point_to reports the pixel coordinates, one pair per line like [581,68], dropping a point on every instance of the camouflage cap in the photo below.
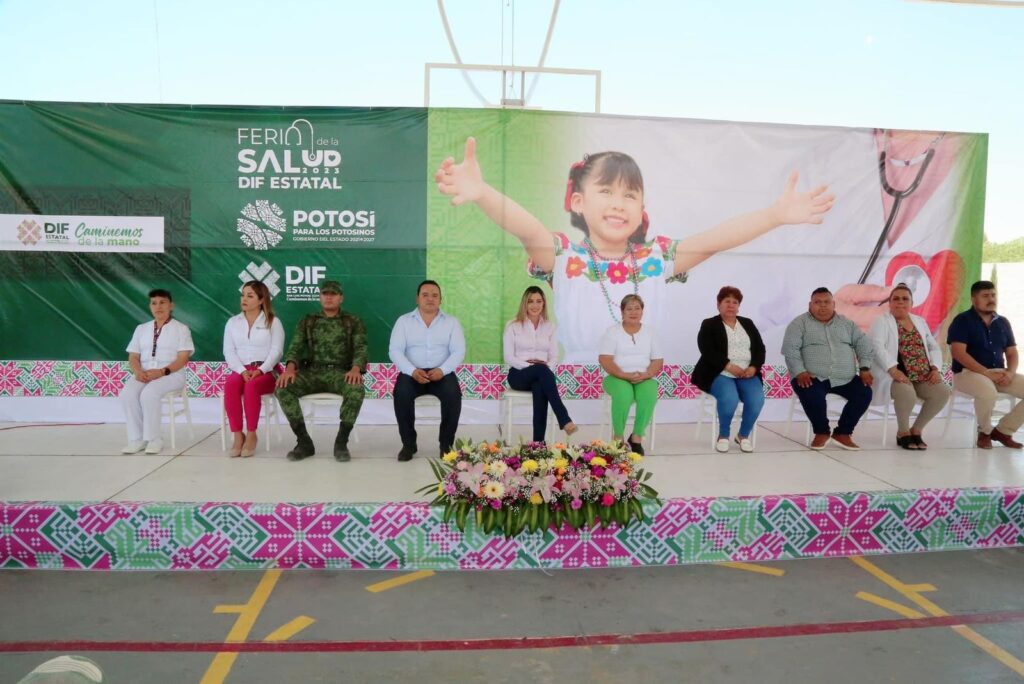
[330,287]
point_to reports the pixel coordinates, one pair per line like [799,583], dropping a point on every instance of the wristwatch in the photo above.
[167,371]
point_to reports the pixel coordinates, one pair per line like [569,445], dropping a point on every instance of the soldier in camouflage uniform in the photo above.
[327,354]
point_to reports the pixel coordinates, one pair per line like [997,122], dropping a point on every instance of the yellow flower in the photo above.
[598,461]
[530,466]
[635,457]
[494,490]
[597,442]
[440,488]
[536,499]
[450,456]
[561,463]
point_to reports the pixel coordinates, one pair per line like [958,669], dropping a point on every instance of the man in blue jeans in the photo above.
[828,354]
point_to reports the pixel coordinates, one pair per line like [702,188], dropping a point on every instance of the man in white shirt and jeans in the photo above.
[157,354]
[427,345]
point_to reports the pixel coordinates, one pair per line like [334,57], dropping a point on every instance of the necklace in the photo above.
[594,256]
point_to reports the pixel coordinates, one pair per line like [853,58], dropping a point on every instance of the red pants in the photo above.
[239,394]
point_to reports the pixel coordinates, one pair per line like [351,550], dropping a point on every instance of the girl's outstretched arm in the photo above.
[464,182]
[792,207]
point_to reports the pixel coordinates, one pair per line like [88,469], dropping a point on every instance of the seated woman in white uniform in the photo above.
[157,354]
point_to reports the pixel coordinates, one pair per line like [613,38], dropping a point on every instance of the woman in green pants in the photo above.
[631,356]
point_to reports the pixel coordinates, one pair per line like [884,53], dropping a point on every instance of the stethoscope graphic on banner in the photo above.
[913,276]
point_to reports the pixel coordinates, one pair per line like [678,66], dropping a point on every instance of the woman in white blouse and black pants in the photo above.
[530,352]
[253,346]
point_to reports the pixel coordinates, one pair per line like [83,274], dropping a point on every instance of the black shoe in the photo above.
[444,450]
[303,449]
[637,447]
[341,452]
[406,453]
[907,442]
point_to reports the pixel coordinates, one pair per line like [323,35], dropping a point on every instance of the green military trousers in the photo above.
[315,380]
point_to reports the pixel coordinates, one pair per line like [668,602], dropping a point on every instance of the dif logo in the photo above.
[304,276]
[56,232]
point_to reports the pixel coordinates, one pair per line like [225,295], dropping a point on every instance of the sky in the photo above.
[876,63]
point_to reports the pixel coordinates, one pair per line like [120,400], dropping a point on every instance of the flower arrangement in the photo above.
[533,486]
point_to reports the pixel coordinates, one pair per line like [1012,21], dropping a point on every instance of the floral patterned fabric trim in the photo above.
[414,536]
[205,379]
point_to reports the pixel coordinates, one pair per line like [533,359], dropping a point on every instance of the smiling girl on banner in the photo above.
[605,197]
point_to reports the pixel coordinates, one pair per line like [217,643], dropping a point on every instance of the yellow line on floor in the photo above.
[751,567]
[247,614]
[993,650]
[912,592]
[287,631]
[399,581]
[897,608]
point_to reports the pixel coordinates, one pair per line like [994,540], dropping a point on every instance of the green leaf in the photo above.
[448,510]
[534,518]
[591,513]
[521,519]
[545,518]
[510,525]
[460,515]
[638,509]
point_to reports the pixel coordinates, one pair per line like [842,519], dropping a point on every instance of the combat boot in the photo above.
[341,452]
[304,447]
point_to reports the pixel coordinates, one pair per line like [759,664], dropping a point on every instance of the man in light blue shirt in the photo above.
[427,345]
[828,354]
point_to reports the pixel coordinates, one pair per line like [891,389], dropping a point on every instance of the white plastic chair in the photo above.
[512,398]
[606,421]
[833,409]
[176,404]
[310,404]
[709,412]
[432,402]
[270,414]
[961,411]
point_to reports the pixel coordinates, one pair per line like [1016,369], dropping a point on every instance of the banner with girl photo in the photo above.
[603,206]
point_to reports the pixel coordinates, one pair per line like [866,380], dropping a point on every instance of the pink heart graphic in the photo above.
[946,272]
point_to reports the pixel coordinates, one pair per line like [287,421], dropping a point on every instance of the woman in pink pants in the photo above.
[253,345]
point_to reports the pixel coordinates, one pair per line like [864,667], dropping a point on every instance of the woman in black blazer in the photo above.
[729,368]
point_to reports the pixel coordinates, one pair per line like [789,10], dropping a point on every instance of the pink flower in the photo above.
[608,499]
[597,471]
[617,273]
[496,504]
[450,489]
[576,504]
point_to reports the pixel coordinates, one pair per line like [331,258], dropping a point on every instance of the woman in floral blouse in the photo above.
[908,357]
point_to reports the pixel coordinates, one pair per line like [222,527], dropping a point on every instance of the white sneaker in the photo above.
[155,446]
[133,447]
[722,445]
[746,446]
